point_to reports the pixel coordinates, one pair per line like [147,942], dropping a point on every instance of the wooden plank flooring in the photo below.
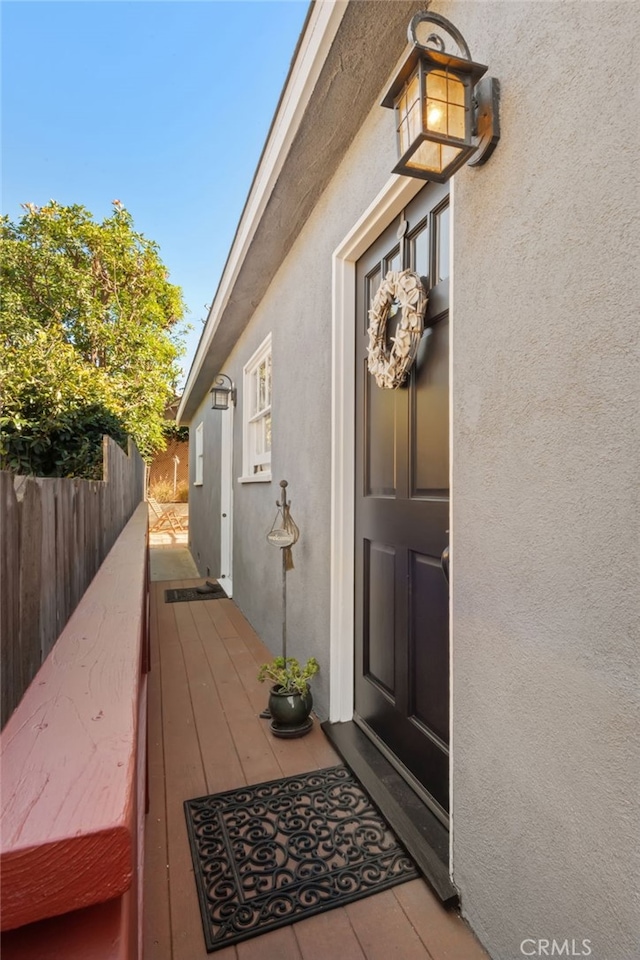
[205,736]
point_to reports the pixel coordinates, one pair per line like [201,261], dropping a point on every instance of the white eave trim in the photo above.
[322,27]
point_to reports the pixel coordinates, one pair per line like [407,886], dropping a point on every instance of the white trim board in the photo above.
[226,499]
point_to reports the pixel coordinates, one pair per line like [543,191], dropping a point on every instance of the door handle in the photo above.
[444,562]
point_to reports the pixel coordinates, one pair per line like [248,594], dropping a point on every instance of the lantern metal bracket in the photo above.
[486,104]
[434,39]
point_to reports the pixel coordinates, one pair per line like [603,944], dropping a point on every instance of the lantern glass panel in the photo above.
[445,106]
[432,157]
[408,113]
[220,399]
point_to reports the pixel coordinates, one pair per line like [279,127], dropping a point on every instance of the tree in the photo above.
[90,335]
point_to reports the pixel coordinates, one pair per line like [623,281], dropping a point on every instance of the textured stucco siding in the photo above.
[545,533]
[296,310]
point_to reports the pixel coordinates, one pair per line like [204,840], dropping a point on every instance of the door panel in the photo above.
[379,651]
[430,674]
[402,518]
[380,462]
[430,414]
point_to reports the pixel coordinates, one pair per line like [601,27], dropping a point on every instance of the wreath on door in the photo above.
[389,365]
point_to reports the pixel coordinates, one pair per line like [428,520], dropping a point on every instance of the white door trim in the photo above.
[391,200]
[226,500]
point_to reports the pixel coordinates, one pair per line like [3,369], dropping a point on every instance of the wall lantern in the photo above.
[221,394]
[446,115]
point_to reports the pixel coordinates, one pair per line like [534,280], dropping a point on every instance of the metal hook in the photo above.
[283,484]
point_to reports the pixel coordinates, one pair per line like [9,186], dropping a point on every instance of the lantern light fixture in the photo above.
[221,394]
[446,109]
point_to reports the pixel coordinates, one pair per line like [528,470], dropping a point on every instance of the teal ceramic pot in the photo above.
[290,709]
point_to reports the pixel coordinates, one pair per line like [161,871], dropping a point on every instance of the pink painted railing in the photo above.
[73,760]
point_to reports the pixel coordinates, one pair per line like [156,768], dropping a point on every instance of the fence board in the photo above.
[29,589]
[48,582]
[54,535]
[9,588]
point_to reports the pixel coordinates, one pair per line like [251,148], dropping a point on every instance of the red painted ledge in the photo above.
[95,933]
[69,752]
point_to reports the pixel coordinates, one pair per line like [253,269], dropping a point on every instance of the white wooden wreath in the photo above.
[390,366]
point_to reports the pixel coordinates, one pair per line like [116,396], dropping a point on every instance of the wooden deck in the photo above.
[205,736]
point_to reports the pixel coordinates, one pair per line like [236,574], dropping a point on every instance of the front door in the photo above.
[402,515]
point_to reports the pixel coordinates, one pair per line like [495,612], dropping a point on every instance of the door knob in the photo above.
[444,562]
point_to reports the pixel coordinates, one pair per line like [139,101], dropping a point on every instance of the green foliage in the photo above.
[89,339]
[172,431]
[287,674]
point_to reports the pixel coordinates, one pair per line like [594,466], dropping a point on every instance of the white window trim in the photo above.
[263,351]
[199,477]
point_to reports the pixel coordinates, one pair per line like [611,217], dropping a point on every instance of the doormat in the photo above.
[184,594]
[273,853]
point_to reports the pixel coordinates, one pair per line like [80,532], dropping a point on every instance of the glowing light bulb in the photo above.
[435,116]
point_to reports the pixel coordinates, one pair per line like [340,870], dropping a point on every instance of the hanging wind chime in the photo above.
[283,534]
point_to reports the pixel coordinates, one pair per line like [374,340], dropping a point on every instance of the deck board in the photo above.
[184,778]
[329,935]
[157,925]
[205,736]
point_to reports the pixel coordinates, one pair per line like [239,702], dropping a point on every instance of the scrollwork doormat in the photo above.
[192,593]
[273,853]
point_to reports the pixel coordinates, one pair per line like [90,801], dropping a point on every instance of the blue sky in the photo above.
[162,104]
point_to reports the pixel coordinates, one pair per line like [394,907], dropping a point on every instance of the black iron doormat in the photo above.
[277,852]
[193,593]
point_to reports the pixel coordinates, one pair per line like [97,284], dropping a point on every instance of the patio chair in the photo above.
[165,518]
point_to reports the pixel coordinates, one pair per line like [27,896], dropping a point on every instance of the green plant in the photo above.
[287,675]
[172,432]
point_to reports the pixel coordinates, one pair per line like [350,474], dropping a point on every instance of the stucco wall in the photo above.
[545,486]
[296,310]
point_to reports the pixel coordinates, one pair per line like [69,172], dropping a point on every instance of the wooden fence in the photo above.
[54,534]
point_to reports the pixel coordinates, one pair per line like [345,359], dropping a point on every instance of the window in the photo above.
[199,455]
[257,415]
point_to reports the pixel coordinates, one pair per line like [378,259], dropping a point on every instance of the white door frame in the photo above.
[395,195]
[226,500]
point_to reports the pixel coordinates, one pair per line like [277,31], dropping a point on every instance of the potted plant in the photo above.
[290,699]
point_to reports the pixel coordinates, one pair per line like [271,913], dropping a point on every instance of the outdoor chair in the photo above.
[165,518]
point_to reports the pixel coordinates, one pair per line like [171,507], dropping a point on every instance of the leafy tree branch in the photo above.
[90,335]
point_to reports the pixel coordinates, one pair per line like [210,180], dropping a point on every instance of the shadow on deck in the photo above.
[205,736]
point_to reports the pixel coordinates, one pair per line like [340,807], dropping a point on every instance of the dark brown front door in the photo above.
[402,515]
